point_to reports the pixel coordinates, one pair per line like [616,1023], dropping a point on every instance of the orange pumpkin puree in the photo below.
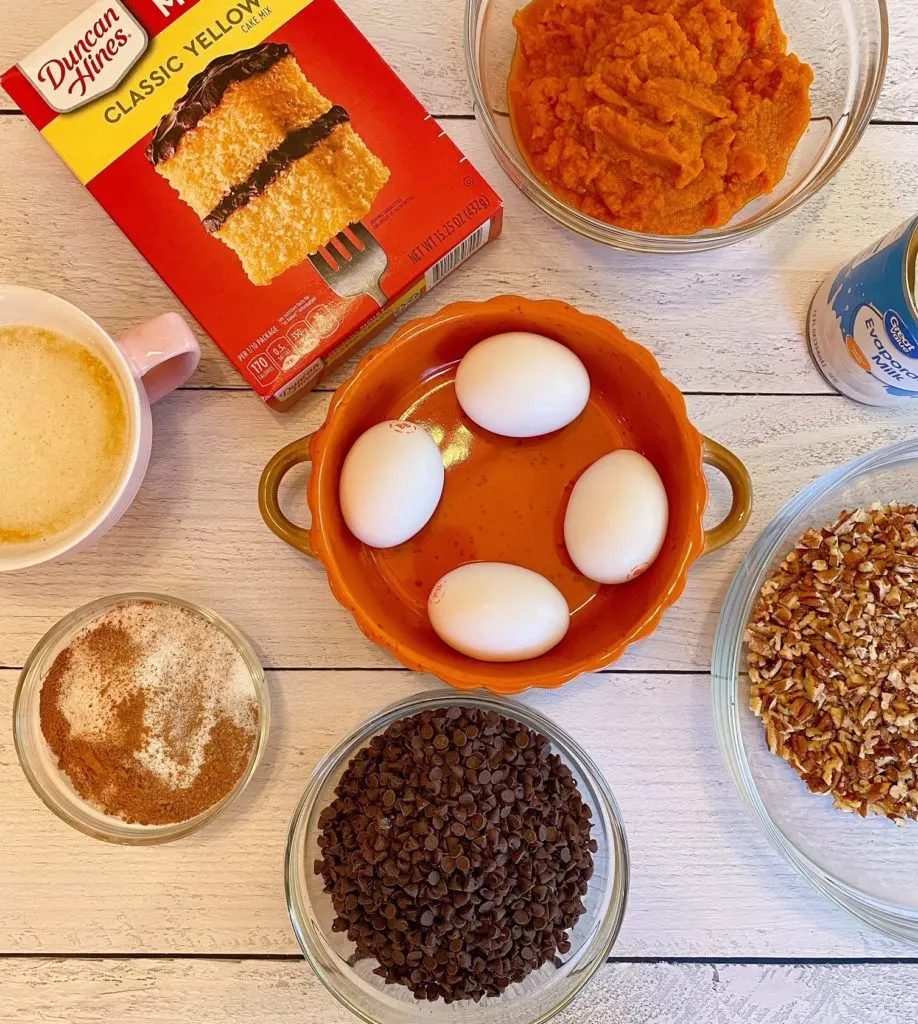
[662,116]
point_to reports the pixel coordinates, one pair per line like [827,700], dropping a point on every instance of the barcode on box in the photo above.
[458,254]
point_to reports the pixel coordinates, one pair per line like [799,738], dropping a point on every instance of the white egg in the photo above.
[391,483]
[521,385]
[495,611]
[616,518]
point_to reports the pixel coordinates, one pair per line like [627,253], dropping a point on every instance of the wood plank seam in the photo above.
[609,671]
[296,958]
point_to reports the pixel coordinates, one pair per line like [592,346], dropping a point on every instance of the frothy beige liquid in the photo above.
[64,433]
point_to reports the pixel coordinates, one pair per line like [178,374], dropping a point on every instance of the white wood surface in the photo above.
[422,40]
[704,882]
[215,992]
[195,527]
[725,321]
[727,327]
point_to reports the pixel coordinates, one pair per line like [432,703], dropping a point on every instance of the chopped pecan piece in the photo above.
[832,655]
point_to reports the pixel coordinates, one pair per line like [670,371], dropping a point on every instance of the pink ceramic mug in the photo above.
[149,360]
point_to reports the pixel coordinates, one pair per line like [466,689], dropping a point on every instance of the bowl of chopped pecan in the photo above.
[815,685]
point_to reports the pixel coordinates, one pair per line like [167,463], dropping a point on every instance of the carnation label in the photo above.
[88,58]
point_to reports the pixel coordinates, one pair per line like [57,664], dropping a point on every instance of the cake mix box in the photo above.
[267,162]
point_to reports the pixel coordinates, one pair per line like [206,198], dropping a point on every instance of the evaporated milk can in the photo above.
[863,323]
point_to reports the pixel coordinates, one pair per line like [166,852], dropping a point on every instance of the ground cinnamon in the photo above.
[151,713]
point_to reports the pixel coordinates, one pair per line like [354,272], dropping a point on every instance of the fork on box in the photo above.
[352,264]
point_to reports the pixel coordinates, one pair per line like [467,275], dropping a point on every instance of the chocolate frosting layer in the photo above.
[296,145]
[205,91]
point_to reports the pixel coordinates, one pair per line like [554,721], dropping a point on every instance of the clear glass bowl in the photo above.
[38,762]
[865,865]
[544,992]
[845,42]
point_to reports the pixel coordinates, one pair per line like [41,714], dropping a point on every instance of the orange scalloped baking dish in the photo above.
[504,498]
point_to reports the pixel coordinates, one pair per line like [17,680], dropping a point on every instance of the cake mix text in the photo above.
[449,228]
[240,14]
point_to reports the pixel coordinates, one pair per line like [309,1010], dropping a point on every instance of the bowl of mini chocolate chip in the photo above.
[457,857]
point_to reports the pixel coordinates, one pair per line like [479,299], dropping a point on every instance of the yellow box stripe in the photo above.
[91,138]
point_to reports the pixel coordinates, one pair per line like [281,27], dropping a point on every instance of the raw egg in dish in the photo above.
[616,518]
[521,384]
[391,483]
[495,611]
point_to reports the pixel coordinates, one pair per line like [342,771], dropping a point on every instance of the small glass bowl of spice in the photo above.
[458,858]
[140,717]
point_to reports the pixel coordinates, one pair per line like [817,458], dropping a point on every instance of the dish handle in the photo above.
[737,519]
[293,454]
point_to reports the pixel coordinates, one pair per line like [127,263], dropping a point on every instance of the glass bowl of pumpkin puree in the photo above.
[673,125]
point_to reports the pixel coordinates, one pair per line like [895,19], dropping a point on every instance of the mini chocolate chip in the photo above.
[458,870]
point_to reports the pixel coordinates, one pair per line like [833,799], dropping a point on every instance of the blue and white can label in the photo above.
[863,323]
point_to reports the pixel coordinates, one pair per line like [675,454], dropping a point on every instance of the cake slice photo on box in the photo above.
[272,167]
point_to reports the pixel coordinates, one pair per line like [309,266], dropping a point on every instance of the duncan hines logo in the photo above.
[89,57]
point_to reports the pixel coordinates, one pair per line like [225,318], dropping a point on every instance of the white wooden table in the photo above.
[718,927]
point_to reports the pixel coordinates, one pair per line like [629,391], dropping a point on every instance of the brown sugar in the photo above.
[150,713]
[662,116]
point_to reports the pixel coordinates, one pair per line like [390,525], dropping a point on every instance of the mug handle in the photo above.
[737,519]
[162,353]
[295,453]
